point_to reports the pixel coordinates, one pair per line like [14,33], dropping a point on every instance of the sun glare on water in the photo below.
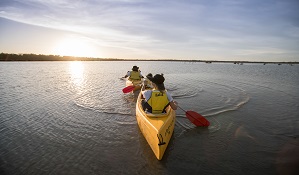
[77,47]
[77,72]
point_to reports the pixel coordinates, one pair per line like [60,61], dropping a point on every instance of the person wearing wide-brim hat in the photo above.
[134,75]
[157,99]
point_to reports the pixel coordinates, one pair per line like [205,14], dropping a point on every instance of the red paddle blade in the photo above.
[197,119]
[128,89]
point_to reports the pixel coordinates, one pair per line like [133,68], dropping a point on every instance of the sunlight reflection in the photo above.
[77,72]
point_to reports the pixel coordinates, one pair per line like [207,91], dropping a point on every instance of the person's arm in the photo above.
[140,75]
[173,105]
[128,74]
[146,94]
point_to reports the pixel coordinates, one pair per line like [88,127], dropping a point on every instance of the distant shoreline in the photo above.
[4,57]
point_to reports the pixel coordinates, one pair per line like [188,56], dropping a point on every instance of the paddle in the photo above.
[128,89]
[196,118]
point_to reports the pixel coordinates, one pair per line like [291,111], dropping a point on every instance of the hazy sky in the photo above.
[254,30]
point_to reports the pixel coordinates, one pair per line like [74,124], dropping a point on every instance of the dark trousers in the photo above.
[146,107]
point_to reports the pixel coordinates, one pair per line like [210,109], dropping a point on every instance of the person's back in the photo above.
[134,75]
[157,102]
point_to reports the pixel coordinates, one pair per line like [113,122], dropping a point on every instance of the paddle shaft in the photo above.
[181,108]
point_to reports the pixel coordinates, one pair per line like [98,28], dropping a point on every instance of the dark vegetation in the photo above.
[35,57]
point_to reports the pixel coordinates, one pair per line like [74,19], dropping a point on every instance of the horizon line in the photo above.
[81,58]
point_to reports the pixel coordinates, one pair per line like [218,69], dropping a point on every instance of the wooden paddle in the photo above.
[196,118]
[128,89]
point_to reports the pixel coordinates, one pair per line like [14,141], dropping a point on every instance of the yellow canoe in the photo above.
[156,128]
[136,83]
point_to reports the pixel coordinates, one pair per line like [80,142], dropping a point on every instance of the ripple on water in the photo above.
[226,98]
[208,98]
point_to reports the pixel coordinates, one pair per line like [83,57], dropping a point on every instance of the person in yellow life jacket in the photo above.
[157,99]
[134,75]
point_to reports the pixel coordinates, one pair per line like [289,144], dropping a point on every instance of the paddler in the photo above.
[148,83]
[134,75]
[157,99]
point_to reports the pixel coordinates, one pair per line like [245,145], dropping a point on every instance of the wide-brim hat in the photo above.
[135,68]
[158,80]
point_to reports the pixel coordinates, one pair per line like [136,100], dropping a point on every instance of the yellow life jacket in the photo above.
[158,101]
[134,76]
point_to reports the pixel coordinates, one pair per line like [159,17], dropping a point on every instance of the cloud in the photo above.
[166,25]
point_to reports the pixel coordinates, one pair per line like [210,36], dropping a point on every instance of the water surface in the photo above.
[72,118]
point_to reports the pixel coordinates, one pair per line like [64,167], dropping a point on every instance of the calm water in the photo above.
[72,118]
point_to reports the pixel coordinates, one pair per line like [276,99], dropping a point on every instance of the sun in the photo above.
[75,46]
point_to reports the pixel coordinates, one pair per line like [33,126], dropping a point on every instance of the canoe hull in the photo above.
[157,129]
[137,84]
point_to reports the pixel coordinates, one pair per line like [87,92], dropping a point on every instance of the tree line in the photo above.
[39,57]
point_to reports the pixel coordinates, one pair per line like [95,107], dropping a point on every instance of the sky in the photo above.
[245,30]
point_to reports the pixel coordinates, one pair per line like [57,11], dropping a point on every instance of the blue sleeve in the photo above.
[170,99]
[147,94]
